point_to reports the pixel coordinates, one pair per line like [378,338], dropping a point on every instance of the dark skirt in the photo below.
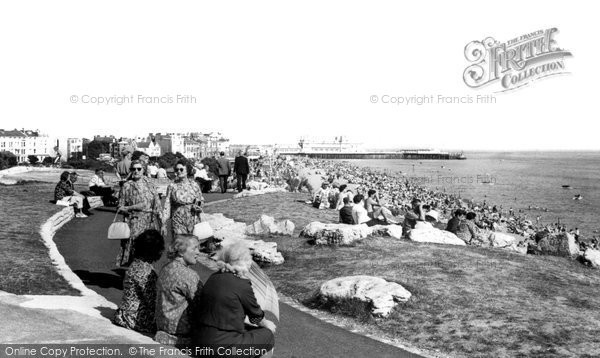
[251,343]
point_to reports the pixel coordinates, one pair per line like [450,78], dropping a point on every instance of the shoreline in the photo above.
[516,223]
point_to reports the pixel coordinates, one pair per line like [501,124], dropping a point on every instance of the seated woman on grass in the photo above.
[178,289]
[468,231]
[137,307]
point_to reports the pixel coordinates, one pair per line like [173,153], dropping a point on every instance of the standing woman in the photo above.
[183,201]
[139,199]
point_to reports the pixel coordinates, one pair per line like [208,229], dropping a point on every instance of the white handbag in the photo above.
[118,230]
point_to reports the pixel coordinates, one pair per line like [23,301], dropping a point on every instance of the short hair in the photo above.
[371,192]
[149,246]
[343,187]
[188,166]
[358,198]
[134,162]
[235,253]
[414,201]
[346,200]
[98,170]
[180,243]
[222,153]
[64,176]
[471,216]
[460,212]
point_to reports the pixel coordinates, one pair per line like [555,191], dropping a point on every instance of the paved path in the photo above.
[91,256]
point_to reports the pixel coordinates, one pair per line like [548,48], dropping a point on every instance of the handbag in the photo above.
[118,230]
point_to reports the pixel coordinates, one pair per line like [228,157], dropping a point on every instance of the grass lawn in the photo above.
[467,301]
[25,266]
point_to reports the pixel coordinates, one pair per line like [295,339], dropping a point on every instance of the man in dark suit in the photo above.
[224,171]
[241,169]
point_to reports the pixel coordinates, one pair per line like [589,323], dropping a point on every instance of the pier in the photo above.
[418,155]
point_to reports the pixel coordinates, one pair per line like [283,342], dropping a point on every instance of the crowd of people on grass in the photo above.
[391,195]
[178,308]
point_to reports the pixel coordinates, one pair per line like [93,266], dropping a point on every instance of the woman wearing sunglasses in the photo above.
[183,201]
[140,201]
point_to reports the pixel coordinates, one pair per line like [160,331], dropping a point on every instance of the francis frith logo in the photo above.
[514,63]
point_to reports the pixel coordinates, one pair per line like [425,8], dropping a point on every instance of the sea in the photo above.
[541,184]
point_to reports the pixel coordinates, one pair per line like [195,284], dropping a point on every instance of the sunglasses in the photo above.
[180,169]
[138,169]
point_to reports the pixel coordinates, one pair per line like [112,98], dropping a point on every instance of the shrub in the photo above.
[33,159]
[7,160]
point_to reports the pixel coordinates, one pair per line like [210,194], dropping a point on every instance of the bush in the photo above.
[33,159]
[7,160]
[48,161]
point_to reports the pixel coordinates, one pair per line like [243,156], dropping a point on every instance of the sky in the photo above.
[269,72]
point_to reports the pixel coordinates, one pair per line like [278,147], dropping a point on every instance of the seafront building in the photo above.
[23,143]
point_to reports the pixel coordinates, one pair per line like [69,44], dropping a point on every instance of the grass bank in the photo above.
[25,266]
[467,301]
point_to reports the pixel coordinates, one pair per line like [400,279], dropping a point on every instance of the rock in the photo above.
[246,193]
[562,244]
[501,239]
[227,231]
[593,257]
[335,234]
[257,185]
[394,231]
[383,295]
[265,252]
[519,248]
[267,225]
[216,221]
[435,236]
[235,231]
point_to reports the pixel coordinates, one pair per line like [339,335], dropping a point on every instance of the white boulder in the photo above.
[500,239]
[340,234]
[383,295]
[267,225]
[227,231]
[435,236]
[593,257]
[246,193]
[265,252]
[257,185]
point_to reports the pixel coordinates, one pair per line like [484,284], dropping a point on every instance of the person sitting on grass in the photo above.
[64,193]
[137,307]
[453,224]
[412,217]
[375,210]
[359,213]
[178,290]
[346,212]
[345,192]
[468,231]
[321,197]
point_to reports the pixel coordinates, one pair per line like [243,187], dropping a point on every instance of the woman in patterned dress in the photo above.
[183,201]
[137,307]
[178,288]
[139,199]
